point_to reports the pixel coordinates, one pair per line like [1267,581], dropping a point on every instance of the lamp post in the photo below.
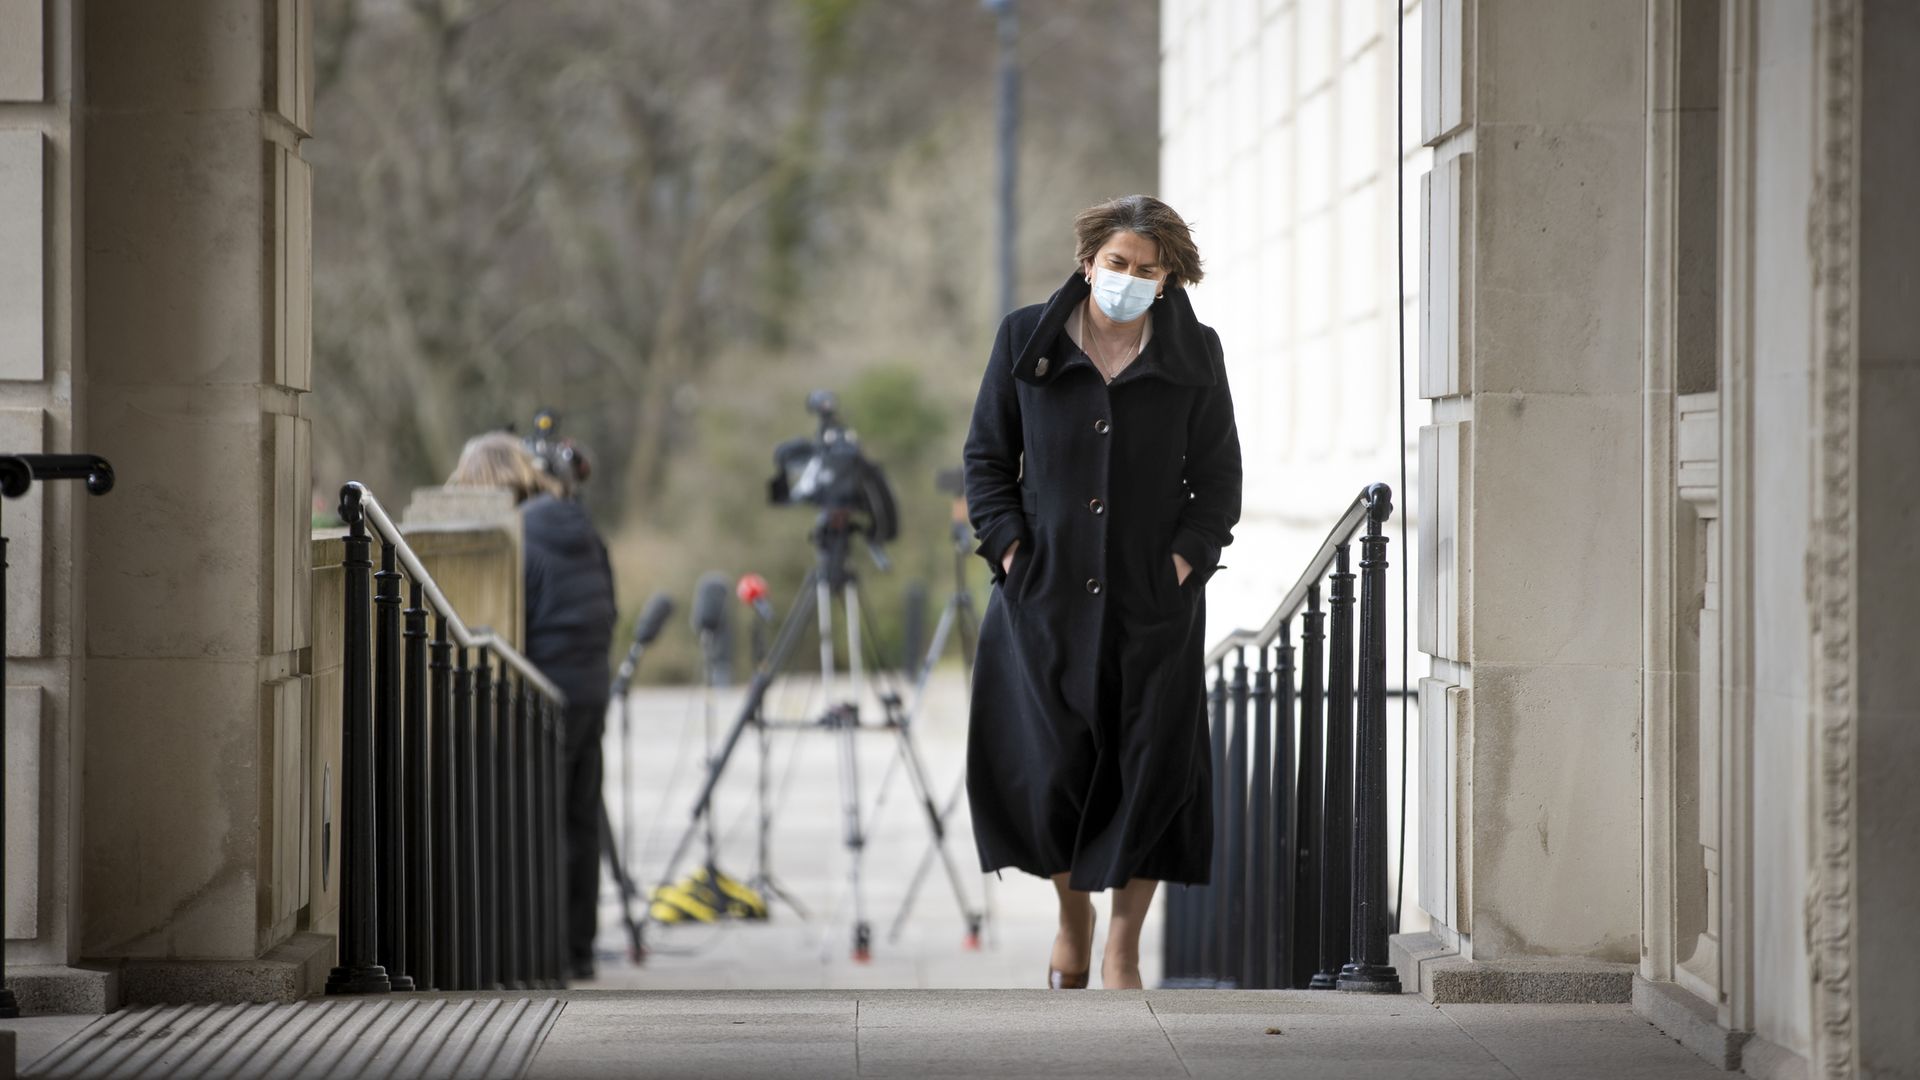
[1009,137]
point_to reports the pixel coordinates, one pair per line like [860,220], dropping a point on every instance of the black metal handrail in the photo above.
[1299,882]
[17,474]
[451,811]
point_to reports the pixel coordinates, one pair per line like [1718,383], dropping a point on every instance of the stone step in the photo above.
[425,1036]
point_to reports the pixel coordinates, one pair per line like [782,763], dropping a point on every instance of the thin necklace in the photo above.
[1087,331]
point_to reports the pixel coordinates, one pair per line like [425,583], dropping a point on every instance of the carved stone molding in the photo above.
[1833,540]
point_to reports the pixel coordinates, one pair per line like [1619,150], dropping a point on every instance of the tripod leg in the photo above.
[936,822]
[626,780]
[622,882]
[940,634]
[960,609]
[763,881]
[925,866]
[756,691]
[934,649]
[849,722]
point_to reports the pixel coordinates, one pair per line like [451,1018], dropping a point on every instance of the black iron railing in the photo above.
[17,474]
[1298,896]
[452,744]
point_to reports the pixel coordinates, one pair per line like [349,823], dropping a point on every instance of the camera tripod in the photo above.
[830,578]
[958,616]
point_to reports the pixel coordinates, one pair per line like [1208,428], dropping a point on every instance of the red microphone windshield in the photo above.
[752,589]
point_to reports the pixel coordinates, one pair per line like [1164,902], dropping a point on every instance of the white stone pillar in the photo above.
[1531,338]
[198,365]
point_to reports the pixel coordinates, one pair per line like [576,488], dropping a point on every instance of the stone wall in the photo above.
[42,266]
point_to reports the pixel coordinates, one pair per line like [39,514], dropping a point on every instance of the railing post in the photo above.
[488,834]
[445,822]
[1336,815]
[507,805]
[359,971]
[556,826]
[1309,768]
[420,847]
[1260,830]
[1217,952]
[1286,867]
[467,831]
[548,909]
[388,762]
[1369,970]
[528,803]
[1234,887]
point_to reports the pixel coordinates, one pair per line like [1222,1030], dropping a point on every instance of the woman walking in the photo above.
[1102,478]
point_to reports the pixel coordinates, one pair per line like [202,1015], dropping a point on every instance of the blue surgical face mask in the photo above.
[1123,297]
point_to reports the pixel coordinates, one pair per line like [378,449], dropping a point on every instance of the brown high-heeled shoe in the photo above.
[1062,980]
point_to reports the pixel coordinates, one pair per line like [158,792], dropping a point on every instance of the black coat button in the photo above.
[1097,507]
[1101,427]
[1093,586]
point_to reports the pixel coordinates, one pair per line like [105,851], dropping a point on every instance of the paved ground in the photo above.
[784,998]
[809,859]
[665,751]
[1110,1034]
[926,1035]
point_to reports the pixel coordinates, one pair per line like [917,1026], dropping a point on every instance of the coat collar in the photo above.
[1179,350]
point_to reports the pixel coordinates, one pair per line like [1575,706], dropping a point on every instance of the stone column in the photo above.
[1531,353]
[197,320]
[41,381]
[1885,889]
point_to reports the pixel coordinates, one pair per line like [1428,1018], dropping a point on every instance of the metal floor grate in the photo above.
[397,1036]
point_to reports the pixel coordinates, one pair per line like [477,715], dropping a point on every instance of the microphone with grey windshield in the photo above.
[713,622]
[653,618]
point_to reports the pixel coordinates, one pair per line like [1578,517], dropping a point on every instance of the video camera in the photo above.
[560,458]
[829,471]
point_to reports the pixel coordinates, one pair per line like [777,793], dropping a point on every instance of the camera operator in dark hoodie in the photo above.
[570,618]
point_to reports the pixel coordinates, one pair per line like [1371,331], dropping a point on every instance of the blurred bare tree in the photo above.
[669,219]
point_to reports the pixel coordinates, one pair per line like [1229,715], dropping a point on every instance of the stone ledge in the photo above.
[1765,1060]
[296,969]
[1693,1022]
[1443,977]
[58,990]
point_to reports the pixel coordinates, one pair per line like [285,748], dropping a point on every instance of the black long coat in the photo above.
[569,599]
[1088,749]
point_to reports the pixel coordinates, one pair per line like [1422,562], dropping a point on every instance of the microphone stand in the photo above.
[763,881]
[616,861]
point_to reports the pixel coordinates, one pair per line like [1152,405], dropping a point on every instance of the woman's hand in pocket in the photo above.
[1181,568]
[1006,561]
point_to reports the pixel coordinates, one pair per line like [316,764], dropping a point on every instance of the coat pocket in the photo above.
[1016,577]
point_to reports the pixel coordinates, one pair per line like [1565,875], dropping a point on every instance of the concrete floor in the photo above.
[925,1035]
[810,860]
[784,998]
[929,1035]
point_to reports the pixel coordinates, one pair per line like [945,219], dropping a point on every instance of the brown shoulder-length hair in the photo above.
[499,459]
[1149,217]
